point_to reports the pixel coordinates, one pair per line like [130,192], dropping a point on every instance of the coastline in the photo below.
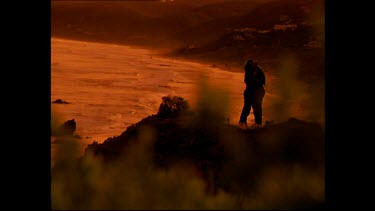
[120,115]
[272,86]
[166,52]
[232,65]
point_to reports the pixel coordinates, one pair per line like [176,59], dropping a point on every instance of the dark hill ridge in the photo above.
[279,166]
[222,153]
[302,140]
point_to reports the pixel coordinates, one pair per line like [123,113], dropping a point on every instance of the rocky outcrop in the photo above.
[67,128]
[59,101]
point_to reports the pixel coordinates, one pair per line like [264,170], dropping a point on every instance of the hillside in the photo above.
[192,159]
[140,23]
[267,32]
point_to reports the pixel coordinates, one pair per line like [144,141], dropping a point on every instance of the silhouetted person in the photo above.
[254,93]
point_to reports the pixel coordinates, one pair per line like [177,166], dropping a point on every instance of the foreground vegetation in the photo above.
[183,158]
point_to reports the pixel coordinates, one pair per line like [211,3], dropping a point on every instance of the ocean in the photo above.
[110,87]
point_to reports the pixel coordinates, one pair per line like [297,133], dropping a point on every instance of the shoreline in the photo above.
[149,52]
[166,53]
[162,53]
[193,66]
[268,64]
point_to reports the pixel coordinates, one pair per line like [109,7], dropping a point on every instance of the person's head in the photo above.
[250,64]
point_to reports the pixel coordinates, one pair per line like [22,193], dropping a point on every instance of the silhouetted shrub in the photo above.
[172,106]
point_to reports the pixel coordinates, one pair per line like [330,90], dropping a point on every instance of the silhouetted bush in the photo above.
[172,106]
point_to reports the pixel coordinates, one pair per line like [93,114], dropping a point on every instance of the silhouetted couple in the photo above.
[253,94]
